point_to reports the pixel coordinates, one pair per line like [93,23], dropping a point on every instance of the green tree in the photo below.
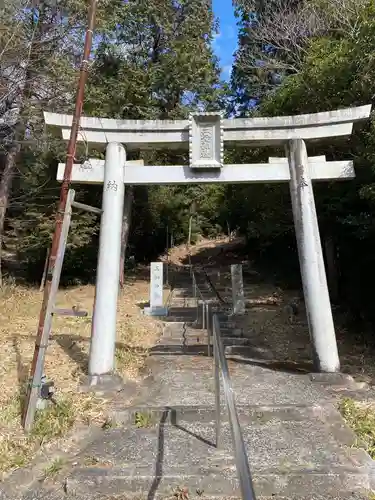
[40,51]
[336,70]
[31,69]
[156,62]
[274,40]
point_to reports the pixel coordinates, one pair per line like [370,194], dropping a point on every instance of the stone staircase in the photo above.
[164,445]
[295,452]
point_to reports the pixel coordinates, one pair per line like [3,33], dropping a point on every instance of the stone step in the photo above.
[196,316]
[190,349]
[291,451]
[181,341]
[249,352]
[197,344]
[180,321]
[195,348]
[181,301]
[58,493]
[232,332]
[183,330]
[182,380]
[176,324]
[188,320]
[191,335]
[227,325]
[235,341]
[111,484]
[247,414]
[185,300]
[298,445]
[176,331]
[224,291]
[181,311]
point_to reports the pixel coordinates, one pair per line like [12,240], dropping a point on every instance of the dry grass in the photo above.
[66,361]
[361,418]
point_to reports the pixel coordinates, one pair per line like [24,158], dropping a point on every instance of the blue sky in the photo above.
[226,41]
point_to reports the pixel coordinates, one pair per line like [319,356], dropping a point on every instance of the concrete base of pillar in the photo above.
[155,311]
[332,378]
[102,384]
[340,381]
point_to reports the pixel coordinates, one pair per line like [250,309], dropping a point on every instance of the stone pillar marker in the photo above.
[315,288]
[239,305]
[103,333]
[156,291]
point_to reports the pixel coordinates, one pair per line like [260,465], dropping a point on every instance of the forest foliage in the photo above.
[155,60]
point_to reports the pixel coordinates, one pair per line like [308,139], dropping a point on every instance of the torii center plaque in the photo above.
[206,141]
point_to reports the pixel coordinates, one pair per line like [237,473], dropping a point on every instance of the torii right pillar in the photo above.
[314,280]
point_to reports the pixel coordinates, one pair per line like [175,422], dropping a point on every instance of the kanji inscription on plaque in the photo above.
[206,141]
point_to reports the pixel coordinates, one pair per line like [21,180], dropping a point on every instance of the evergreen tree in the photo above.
[149,61]
[156,62]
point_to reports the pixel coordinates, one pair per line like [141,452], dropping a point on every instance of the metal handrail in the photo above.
[204,308]
[221,367]
[211,323]
[213,288]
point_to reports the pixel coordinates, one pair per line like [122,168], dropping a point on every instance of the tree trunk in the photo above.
[126,221]
[24,85]
[228,231]
[332,274]
[44,275]
[5,187]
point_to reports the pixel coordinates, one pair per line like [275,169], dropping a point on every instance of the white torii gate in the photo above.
[205,135]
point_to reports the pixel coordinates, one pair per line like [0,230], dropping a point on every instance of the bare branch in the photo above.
[282,29]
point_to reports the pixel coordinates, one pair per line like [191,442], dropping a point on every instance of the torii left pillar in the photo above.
[101,375]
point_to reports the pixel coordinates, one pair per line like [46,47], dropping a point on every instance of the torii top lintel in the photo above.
[140,134]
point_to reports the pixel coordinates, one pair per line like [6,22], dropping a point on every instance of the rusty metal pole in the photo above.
[42,336]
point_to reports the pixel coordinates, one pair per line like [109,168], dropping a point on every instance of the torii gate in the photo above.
[205,135]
